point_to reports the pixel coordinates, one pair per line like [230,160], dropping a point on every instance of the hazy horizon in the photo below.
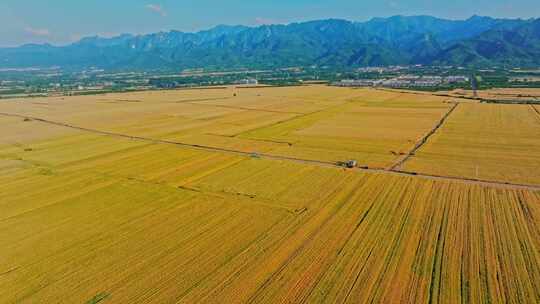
[65,22]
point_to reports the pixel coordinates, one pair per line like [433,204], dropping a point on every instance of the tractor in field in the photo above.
[348,164]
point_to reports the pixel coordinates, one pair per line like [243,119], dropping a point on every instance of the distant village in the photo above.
[15,83]
[404,81]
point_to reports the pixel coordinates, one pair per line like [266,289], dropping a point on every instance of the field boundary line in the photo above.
[163,141]
[255,139]
[466,180]
[401,160]
[242,108]
[193,100]
[259,201]
[406,92]
[321,163]
[427,93]
[536,111]
[330,108]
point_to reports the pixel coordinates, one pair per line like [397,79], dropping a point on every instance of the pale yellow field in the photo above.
[95,218]
[315,122]
[485,141]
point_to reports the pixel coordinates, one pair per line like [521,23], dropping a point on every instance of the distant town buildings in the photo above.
[404,81]
[457,79]
[248,81]
[395,68]
[166,84]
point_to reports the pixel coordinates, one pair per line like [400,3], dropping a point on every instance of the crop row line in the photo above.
[321,163]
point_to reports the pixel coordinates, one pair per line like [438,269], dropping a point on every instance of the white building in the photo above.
[249,81]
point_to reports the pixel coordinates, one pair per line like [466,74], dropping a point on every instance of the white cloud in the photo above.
[157,9]
[42,32]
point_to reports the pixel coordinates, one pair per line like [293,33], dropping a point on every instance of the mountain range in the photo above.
[398,40]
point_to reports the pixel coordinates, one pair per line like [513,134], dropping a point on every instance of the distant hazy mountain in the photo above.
[339,43]
[513,46]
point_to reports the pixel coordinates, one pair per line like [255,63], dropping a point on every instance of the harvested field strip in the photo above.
[294,159]
[423,141]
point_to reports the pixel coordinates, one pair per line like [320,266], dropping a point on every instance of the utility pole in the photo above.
[474,85]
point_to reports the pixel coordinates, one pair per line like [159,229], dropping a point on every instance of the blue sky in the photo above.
[64,21]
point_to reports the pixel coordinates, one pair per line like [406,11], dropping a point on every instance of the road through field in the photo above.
[424,139]
[392,171]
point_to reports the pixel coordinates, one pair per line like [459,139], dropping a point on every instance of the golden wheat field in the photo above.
[485,141]
[157,197]
[318,123]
